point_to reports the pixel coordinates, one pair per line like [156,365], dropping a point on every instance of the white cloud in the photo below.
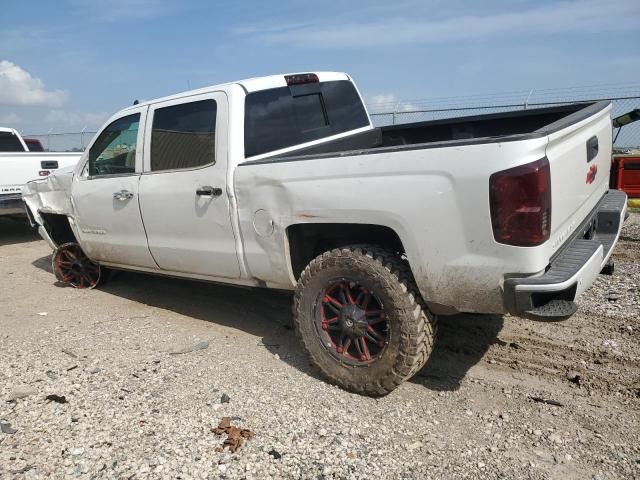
[61,120]
[584,16]
[388,102]
[382,102]
[383,98]
[10,119]
[18,87]
[407,107]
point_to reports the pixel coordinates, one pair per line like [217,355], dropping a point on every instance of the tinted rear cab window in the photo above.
[286,116]
[10,143]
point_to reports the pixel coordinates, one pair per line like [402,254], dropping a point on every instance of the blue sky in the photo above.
[71,63]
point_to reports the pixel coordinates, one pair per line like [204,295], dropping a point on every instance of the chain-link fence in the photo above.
[627,99]
[63,142]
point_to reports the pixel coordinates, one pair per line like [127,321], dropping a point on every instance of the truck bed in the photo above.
[430,183]
[489,128]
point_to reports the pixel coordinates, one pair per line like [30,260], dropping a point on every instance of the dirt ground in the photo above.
[143,364]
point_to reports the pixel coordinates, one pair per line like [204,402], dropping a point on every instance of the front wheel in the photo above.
[71,265]
[361,319]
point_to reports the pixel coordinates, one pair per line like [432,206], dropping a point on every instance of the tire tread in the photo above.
[417,336]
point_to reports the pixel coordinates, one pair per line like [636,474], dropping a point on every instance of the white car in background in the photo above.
[18,165]
[283,182]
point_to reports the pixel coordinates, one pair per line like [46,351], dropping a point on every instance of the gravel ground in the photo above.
[148,366]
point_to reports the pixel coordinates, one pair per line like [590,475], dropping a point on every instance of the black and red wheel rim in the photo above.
[72,266]
[351,322]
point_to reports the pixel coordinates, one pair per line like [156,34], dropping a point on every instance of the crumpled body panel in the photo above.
[50,195]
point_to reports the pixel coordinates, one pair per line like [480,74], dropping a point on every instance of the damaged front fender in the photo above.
[50,195]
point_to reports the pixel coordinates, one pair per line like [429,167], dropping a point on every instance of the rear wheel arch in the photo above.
[308,240]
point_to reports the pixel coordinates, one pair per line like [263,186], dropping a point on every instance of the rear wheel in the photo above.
[361,319]
[71,265]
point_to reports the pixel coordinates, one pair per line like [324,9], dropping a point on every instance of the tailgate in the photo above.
[16,169]
[15,172]
[580,158]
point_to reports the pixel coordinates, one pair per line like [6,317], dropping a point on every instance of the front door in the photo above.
[105,195]
[183,190]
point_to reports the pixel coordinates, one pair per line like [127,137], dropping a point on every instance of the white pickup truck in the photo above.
[283,182]
[18,165]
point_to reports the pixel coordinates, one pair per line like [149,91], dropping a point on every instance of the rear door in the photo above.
[105,195]
[580,158]
[183,191]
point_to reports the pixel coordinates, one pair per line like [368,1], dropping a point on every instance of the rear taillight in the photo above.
[520,201]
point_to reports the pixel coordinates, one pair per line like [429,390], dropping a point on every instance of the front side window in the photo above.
[184,136]
[276,118]
[114,152]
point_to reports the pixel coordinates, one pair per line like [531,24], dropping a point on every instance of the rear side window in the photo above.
[276,119]
[184,136]
[10,143]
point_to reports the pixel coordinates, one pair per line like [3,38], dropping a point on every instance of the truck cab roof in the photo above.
[249,85]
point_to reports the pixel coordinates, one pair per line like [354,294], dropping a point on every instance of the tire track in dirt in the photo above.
[608,373]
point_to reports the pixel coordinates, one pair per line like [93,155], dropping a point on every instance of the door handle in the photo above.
[49,164]
[592,148]
[209,191]
[123,195]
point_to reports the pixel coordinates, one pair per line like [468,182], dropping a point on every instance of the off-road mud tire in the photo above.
[412,327]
